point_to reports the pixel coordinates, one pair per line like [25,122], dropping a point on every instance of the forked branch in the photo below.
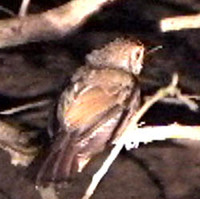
[131,140]
[52,24]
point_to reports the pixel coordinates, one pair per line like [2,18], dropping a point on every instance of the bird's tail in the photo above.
[60,162]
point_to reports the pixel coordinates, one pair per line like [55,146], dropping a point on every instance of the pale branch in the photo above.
[131,140]
[24,8]
[193,97]
[48,192]
[7,11]
[15,139]
[52,24]
[157,133]
[25,107]
[181,99]
[120,143]
[179,23]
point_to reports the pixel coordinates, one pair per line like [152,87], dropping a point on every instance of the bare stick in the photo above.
[15,140]
[25,107]
[24,8]
[52,24]
[180,22]
[181,99]
[170,90]
[157,133]
[8,11]
[48,192]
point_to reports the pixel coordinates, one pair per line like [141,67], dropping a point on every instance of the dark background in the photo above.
[168,170]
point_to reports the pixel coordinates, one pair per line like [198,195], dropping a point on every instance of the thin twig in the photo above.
[52,24]
[181,99]
[180,23]
[170,90]
[24,107]
[193,97]
[24,8]
[157,133]
[15,139]
[48,192]
[187,101]
[8,11]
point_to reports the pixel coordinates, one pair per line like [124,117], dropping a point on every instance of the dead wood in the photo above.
[52,24]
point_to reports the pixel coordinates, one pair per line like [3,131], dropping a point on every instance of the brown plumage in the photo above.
[90,111]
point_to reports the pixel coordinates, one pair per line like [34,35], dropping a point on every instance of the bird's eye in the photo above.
[138,54]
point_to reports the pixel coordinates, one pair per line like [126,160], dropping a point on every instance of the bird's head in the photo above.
[121,53]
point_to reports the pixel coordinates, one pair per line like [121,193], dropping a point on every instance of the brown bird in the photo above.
[102,96]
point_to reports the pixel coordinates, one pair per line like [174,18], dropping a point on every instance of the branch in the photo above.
[16,140]
[7,11]
[157,133]
[127,132]
[25,107]
[24,8]
[180,100]
[180,23]
[48,192]
[52,24]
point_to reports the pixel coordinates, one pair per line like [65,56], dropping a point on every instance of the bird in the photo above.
[101,96]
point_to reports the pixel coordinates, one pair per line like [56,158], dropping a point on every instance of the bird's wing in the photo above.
[84,113]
